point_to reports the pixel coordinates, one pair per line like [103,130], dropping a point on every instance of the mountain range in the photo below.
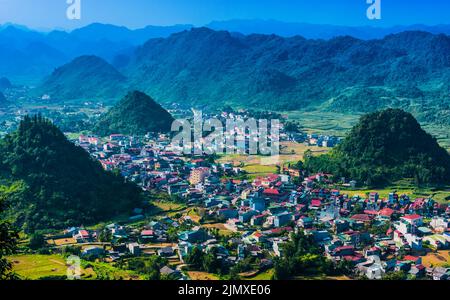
[319,31]
[206,68]
[28,55]
[203,67]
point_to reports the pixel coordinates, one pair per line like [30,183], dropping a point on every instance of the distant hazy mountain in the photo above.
[29,54]
[135,114]
[85,77]
[206,67]
[5,84]
[23,53]
[98,31]
[316,31]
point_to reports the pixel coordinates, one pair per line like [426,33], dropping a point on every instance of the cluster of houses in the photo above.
[376,235]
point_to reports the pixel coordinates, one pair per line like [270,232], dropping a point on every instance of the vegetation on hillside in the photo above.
[135,114]
[408,70]
[57,184]
[84,77]
[8,239]
[383,147]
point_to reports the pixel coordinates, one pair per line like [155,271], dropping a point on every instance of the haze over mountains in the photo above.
[207,68]
[30,54]
[318,31]
[26,54]
[85,77]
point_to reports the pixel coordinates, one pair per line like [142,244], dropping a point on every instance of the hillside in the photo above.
[294,73]
[135,114]
[386,146]
[83,78]
[54,184]
[3,101]
[5,84]
[27,55]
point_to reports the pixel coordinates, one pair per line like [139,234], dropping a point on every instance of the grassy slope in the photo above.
[36,266]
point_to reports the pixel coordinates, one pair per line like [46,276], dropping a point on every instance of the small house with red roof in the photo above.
[362,218]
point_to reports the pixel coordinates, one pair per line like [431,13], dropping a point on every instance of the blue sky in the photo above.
[51,14]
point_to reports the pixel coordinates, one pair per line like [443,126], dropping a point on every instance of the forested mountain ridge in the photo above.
[203,67]
[386,146]
[84,77]
[135,114]
[56,184]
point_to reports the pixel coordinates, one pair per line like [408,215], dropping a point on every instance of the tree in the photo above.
[282,269]
[400,275]
[234,274]
[195,258]
[210,262]
[8,237]
[37,241]
[105,235]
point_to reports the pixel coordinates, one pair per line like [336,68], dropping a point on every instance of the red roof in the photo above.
[352,257]
[316,203]
[257,182]
[386,212]
[412,217]
[344,248]
[279,230]
[147,232]
[411,258]
[361,217]
[272,177]
[271,191]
